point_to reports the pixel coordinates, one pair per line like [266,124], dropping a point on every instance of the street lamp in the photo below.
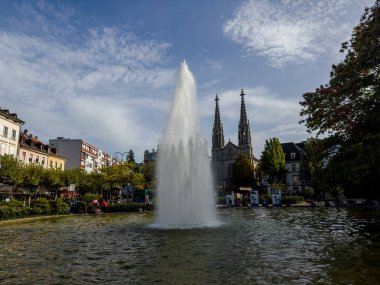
[120,156]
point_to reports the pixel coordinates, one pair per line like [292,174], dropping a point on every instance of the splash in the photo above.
[185,193]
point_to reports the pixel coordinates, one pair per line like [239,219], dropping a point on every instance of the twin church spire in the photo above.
[244,132]
[217,130]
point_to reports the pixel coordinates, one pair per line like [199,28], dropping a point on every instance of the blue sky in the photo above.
[105,71]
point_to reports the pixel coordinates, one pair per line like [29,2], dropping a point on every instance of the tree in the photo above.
[11,170]
[272,161]
[149,172]
[243,173]
[131,156]
[34,175]
[347,109]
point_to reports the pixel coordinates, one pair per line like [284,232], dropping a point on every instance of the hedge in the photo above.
[16,209]
[292,199]
[131,207]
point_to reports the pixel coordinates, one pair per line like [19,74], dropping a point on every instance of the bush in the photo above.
[130,207]
[89,197]
[41,206]
[292,199]
[267,197]
[13,209]
[58,207]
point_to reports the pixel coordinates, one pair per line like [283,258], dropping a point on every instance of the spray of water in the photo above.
[185,193]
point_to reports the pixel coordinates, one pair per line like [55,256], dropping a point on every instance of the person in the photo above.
[104,205]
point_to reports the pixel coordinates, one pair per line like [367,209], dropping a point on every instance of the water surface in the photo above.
[254,246]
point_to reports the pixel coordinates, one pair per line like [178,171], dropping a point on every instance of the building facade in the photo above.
[223,156]
[34,151]
[10,127]
[81,154]
[295,165]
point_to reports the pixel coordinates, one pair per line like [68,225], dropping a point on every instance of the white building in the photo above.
[10,127]
[294,167]
[81,154]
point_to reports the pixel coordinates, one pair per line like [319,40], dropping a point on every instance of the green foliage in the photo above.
[266,197]
[308,192]
[13,209]
[54,178]
[34,175]
[16,209]
[131,156]
[292,199]
[130,207]
[272,161]
[95,182]
[11,170]
[41,206]
[149,172]
[58,207]
[348,110]
[89,197]
[243,173]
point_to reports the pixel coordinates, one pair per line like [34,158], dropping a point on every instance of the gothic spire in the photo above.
[217,131]
[244,129]
[217,122]
[243,113]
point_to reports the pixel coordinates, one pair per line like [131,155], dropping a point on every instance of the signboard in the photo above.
[276,198]
[254,198]
[71,188]
[230,199]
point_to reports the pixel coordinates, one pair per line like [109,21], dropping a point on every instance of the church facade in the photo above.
[224,155]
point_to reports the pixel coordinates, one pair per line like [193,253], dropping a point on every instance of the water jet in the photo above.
[185,194]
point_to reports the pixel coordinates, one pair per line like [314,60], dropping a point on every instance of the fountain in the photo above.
[185,193]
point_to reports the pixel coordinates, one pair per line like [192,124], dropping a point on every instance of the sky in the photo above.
[105,71]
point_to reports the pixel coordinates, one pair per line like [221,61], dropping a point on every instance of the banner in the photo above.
[276,198]
[230,199]
[254,198]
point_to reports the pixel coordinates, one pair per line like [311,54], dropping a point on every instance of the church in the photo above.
[224,155]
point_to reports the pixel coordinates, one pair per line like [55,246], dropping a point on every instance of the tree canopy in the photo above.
[243,173]
[272,161]
[347,110]
[131,156]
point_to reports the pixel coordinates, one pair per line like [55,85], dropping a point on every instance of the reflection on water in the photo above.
[254,246]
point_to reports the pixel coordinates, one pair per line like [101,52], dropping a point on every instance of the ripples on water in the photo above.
[253,246]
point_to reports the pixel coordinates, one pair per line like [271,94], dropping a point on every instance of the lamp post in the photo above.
[118,155]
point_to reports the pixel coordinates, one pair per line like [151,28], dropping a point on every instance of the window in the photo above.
[56,164]
[12,150]
[3,148]
[51,163]
[5,132]
[43,161]
[293,155]
[30,157]
[294,167]
[23,155]
[60,166]
[13,135]
[37,158]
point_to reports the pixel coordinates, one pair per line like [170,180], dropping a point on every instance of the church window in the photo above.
[292,155]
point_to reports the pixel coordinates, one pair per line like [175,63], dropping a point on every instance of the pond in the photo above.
[253,246]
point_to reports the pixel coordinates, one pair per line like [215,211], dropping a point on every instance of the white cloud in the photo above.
[294,31]
[100,89]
